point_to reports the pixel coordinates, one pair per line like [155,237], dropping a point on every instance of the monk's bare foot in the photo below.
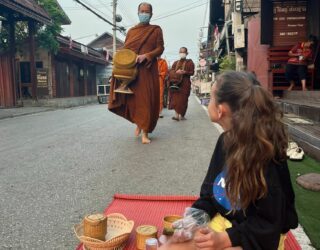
[291,87]
[175,118]
[137,131]
[182,118]
[145,139]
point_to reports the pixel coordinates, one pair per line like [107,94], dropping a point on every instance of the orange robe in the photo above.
[163,71]
[141,108]
[178,100]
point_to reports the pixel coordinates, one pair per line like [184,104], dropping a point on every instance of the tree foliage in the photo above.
[228,62]
[45,34]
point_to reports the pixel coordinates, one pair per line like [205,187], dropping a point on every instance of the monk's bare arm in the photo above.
[159,47]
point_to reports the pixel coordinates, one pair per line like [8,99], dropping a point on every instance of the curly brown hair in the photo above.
[257,136]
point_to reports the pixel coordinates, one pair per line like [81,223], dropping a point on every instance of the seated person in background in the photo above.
[247,194]
[300,55]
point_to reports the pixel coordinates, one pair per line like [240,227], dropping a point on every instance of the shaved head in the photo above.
[145,4]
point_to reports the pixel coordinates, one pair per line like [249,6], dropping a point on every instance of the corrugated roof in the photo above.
[28,8]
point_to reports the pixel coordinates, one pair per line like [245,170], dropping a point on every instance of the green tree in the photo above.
[46,35]
[227,63]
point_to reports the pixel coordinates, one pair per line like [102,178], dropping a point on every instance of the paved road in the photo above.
[57,166]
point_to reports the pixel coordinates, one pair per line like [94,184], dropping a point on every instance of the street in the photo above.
[58,166]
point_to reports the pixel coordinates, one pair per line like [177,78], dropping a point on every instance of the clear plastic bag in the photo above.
[192,220]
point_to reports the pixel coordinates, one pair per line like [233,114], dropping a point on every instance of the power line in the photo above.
[127,13]
[182,11]
[178,12]
[106,6]
[178,9]
[96,9]
[122,29]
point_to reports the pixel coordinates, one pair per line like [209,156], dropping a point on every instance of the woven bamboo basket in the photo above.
[118,232]
[95,226]
[125,74]
[144,232]
[125,59]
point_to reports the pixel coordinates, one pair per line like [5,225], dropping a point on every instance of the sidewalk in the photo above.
[43,105]
[15,112]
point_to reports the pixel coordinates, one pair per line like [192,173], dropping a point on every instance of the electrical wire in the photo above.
[122,29]
[96,9]
[127,13]
[178,11]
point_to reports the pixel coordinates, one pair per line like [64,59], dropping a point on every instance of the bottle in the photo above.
[151,244]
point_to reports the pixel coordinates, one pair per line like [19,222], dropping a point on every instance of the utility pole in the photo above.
[114,4]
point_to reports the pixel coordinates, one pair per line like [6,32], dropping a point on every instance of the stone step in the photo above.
[305,132]
[308,108]
[311,96]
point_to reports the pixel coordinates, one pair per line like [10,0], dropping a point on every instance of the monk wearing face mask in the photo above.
[179,97]
[142,107]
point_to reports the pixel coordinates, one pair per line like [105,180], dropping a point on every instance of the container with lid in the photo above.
[151,244]
[95,226]
[145,232]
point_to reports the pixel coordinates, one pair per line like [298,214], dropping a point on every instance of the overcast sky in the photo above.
[180,21]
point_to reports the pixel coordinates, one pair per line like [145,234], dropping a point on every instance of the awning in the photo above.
[27,8]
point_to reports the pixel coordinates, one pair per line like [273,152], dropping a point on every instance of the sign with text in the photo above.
[42,82]
[289,22]
[42,78]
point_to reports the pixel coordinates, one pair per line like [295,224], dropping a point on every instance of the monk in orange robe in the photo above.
[179,98]
[163,71]
[141,108]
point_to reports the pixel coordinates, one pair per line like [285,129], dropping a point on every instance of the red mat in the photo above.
[150,210]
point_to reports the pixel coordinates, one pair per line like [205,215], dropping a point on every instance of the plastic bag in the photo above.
[193,219]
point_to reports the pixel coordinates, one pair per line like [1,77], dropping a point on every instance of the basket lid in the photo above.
[95,217]
[125,58]
[146,230]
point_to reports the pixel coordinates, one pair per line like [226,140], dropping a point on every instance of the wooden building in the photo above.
[13,11]
[69,73]
[260,33]
[271,34]
[33,72]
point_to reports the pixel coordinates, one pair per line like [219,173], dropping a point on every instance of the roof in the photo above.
[105,40]
[91,55]
[28,8]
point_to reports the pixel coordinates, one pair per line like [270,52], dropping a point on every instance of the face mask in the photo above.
[182,55]
[144,17]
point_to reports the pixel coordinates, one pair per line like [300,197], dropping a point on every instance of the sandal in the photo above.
[292,146]
[297,155]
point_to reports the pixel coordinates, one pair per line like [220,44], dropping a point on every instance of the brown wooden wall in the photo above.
[7,89]
[73,78]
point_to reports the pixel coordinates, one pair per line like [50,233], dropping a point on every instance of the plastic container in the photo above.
[151,244]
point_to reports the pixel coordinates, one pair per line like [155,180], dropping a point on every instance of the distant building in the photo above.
[105,43]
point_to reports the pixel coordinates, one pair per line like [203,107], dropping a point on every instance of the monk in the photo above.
[141,108]
[179,98]
[163,71]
